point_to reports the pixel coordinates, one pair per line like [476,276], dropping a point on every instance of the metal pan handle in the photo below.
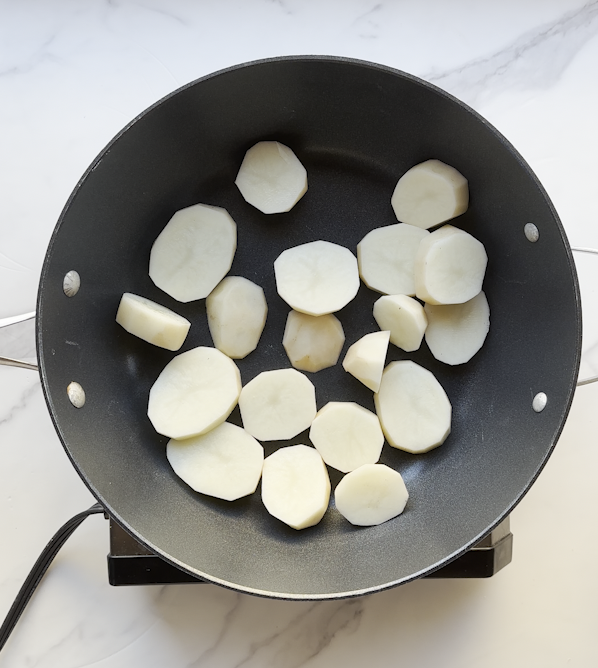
[593,251]
[14,321]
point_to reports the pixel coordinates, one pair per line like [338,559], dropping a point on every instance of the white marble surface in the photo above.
[72,73]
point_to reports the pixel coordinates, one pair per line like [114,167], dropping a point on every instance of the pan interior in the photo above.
[357,128]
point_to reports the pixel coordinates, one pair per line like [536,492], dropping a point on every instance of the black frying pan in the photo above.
[357,128]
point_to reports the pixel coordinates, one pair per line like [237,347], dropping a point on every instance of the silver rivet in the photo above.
[76,394]
[539,402]
[531,232]
[71,283]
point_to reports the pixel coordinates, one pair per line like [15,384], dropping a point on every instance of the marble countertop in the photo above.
[72,74]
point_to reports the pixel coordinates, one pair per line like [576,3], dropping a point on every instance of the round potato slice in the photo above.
[196,391]
[296,486]
[429,194]
[371,494]
[271,177]
[277,405]
[226,462]
[386,257]
[193,252]
[313,343]
[317,278]
[347,435]
[365,359]
[449,267]
[413,408]
[404,318]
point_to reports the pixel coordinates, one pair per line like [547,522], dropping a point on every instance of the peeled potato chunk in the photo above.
[226,462]
[193,252]
[386,258]
[196,391]
[429,194]
[152,322]
[317,278]
[347,435]
[271,177]
[414,411]
[313,342]
[278,405]
[371,494]
[296,486]
[456,332]
[404,317]
[237,313]
[366,357]
[449,267]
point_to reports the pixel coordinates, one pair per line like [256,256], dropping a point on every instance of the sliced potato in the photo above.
[313,343]
[296,486]
[317,278]
[196,391]
[404,317]
[371,494]
[386,258]
[237,313]
[429,194]
[347,435]
[456,332]
[365,359]
[271,177]
[226,462]
[193,252]
[278,405]
[449,267]
[414,411]
[152,322]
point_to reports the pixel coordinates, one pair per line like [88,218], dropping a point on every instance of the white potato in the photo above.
[152,322]
[317,277]
[296,486]
[404,317]
[237,312]
[449,267]
[196,391]
[271,177]
[193,252]
[365,359]
[226,462]
[386,258]
[414,411]
[313,343]
[278,405]
[429,194]
[371,494]
[347,435]
[456,332]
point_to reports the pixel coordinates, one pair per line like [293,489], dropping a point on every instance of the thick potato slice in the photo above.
[449,267]
[414,411]
[365,359]
[317,278]
[196,391]
[278,405]
[404,317]
[237,313]
[371,494]
[226,462]
[193,252]
[429,194]
[271,177]
[152,322]
[296,486]
[347,435]
[456,332]
[313,342]
[386,258]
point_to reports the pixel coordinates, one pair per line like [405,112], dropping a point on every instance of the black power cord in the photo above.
[40,567]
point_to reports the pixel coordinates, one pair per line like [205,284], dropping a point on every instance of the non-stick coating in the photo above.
[357,128]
